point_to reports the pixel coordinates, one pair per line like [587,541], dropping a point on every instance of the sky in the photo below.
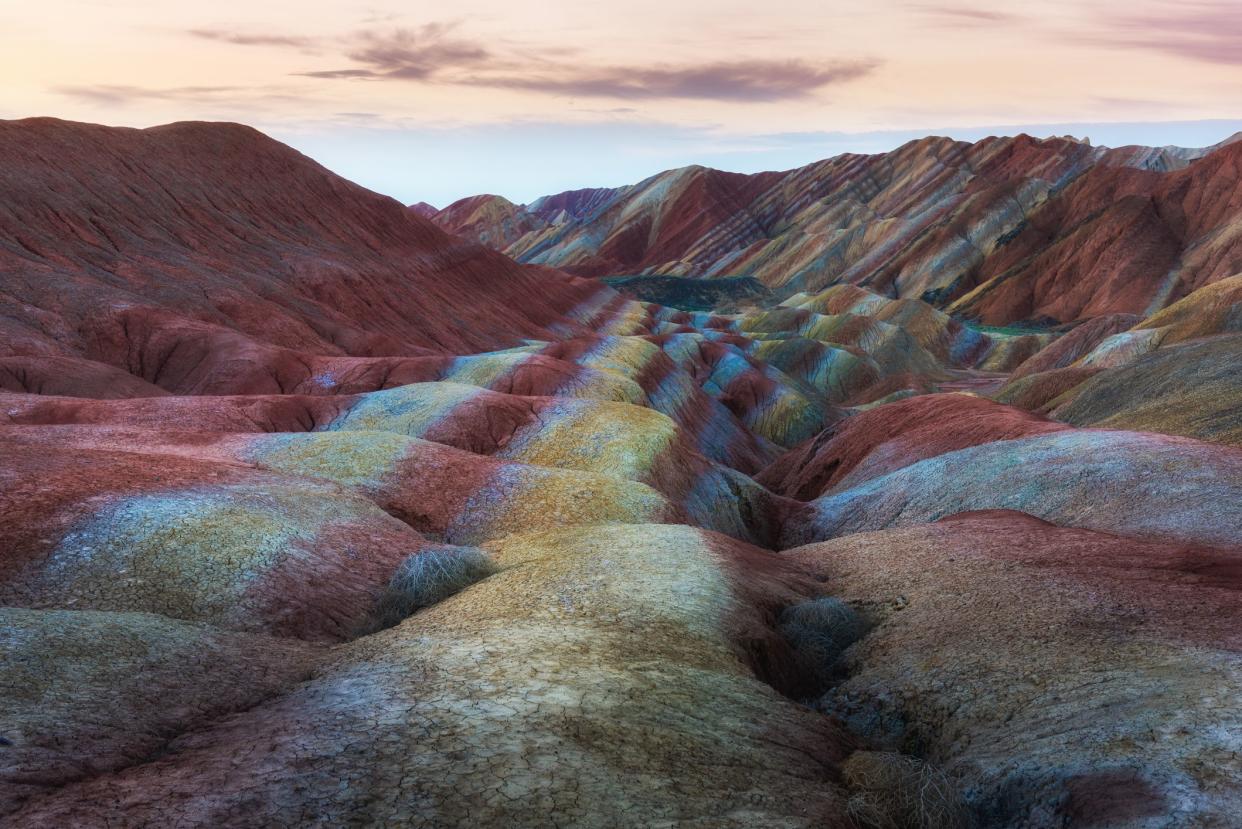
[436,101]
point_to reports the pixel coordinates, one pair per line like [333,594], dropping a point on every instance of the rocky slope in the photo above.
[1054,673]
[211,259]
[1172,372]
[314,515]
[1001,231]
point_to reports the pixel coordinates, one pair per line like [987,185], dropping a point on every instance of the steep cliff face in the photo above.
[1003,230]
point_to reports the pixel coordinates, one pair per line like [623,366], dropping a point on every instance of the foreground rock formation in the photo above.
[313,514]
[1055,673]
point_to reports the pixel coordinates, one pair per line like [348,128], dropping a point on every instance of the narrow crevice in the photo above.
[889,782]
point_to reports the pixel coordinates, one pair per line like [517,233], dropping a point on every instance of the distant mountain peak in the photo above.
[425,210]
[936,218]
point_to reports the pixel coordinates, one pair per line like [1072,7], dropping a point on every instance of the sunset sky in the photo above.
[435,101]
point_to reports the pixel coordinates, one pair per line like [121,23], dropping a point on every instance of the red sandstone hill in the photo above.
[1002,230]
[211,250]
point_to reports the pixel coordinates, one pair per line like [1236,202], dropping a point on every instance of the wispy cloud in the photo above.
[339,74]
[121,94]
[417,54]
[408,54]
[237,97]
[952,15]
[608,111]
[1208,31]
[743,81]
[435,53]
[254,39]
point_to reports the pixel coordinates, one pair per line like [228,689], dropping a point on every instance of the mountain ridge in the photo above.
[163,251]
[926,220]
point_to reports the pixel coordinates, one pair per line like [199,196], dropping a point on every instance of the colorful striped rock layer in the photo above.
[1003,230]
[312,514]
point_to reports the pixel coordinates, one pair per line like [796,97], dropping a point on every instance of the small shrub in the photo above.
[429,577]
[819,631]
[896,791]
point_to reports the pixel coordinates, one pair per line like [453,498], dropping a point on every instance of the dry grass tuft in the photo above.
[896,791]
[819,631]
[426,578]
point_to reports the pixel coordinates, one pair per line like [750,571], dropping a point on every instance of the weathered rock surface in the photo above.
[569,686]
[1173,372]
[1125,482]
[1060,677]
[1187,389]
